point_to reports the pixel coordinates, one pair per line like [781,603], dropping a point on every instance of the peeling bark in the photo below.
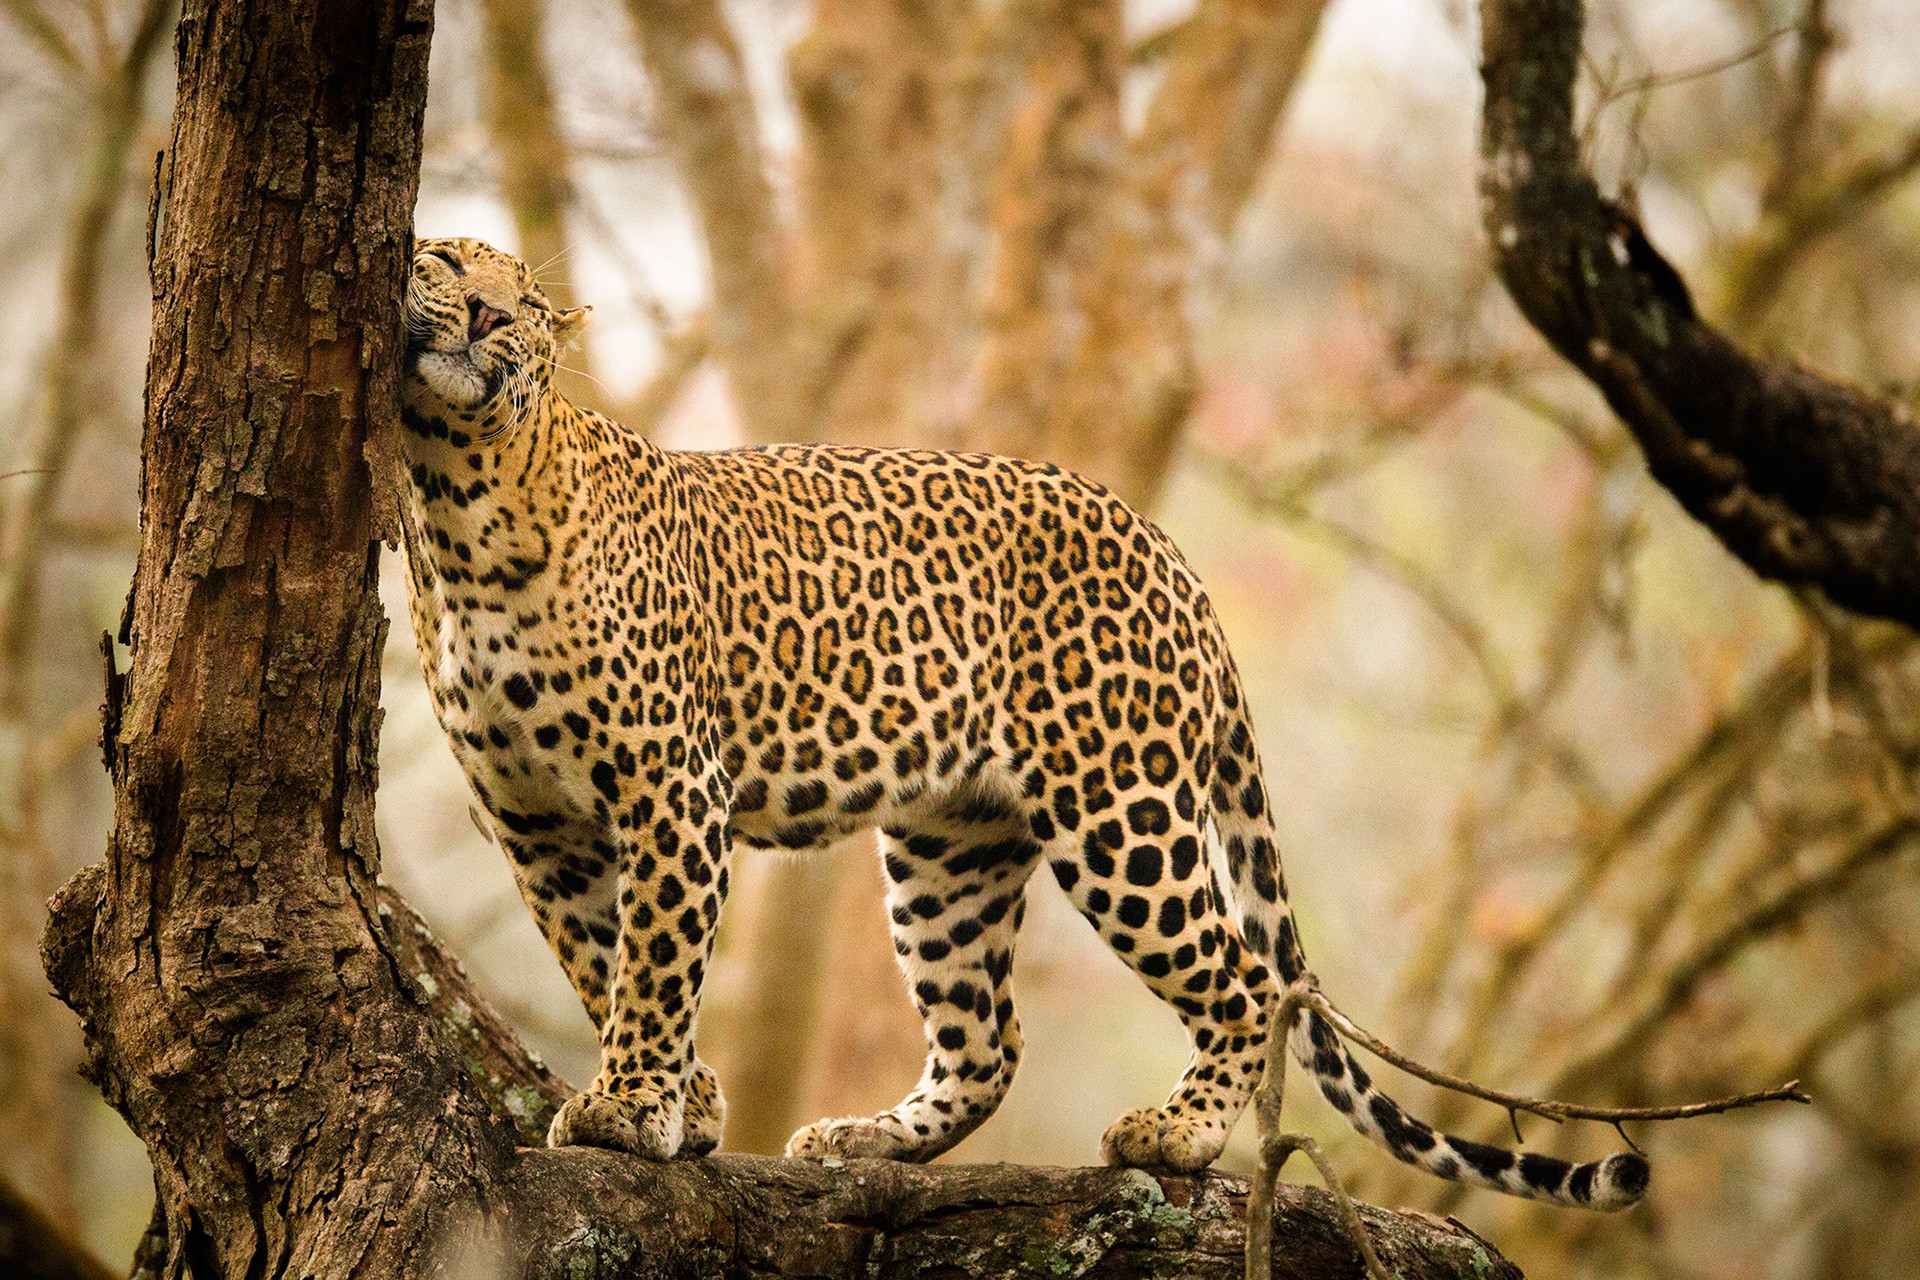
[248,1007]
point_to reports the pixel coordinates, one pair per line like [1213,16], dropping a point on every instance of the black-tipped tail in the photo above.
[1613,1183]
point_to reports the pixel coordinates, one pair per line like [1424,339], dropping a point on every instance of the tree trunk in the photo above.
[320,1090]
[241,989]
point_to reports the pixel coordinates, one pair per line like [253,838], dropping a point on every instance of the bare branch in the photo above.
[1805,212]
[1813,49]
[1546,1107]
[1714,951]
[1277,1147]
[46,34]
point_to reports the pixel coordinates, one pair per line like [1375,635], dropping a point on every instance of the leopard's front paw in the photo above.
[706,1111]
[638,1122]
[853,1138]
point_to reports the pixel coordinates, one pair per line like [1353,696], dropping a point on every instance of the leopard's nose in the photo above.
[482,319]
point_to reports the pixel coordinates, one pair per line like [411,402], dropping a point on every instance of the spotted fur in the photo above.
[644,657]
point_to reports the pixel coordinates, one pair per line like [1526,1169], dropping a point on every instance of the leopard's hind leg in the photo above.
[1136,869]
[956,880]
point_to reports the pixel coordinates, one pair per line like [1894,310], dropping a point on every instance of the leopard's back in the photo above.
[894,624]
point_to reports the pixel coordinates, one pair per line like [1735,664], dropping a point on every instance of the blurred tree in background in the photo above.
[1572,802]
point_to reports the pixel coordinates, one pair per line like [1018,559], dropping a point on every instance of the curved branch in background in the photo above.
[36,1056]
[1104,244]
[1808,480]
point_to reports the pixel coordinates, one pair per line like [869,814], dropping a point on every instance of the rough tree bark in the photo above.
[320,1090]
[243,993]
[1809,481]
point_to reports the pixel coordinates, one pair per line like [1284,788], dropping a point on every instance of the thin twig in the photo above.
[1548,1108]
[1668,79]
[1276,1147]
[1814,46]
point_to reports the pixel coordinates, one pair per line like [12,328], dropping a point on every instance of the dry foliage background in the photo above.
[1570,801]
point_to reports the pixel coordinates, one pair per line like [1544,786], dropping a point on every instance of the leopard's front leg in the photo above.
[672,838]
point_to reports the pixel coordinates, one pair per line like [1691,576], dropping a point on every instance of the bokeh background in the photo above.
[1568,800]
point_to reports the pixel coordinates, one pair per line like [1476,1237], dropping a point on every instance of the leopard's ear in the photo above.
[567,325]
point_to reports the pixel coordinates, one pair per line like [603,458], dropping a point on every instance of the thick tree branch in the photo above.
[1808,480]
[1059,162]
[1104,243]
[592,1213]
[511,1077]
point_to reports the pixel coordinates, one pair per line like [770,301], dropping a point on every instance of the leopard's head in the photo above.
[481,336]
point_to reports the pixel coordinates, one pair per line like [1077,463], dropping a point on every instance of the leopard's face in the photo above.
[480,332]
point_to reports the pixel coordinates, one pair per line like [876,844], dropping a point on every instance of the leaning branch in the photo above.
[1808,480]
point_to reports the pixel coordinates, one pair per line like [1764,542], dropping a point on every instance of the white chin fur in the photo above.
[453,378]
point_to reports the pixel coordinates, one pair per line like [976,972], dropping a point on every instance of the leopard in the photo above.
[646,658]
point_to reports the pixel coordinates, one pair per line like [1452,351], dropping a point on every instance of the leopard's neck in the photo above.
[494,501]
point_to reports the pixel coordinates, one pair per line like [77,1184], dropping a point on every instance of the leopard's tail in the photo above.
[1266,927]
